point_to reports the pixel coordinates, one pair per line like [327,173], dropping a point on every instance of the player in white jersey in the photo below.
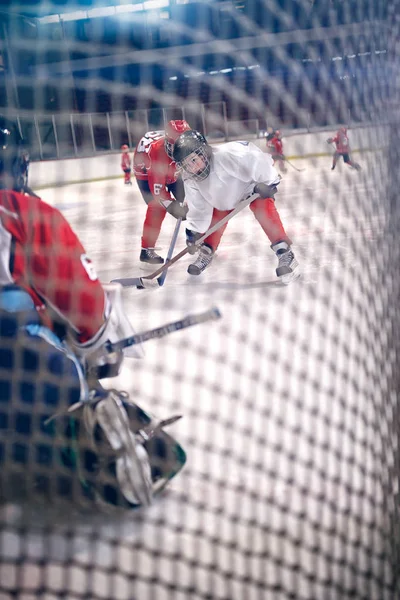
[216,180]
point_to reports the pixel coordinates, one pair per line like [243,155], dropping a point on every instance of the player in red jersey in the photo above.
[58,330]
[126,164]
[158,181]
[342,144]
[275,148]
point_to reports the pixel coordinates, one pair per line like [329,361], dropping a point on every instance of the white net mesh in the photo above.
[290,402]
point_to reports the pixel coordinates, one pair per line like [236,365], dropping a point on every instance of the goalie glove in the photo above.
[98,360]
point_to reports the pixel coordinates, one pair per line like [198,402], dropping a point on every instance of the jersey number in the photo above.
[148,139]
[157,188]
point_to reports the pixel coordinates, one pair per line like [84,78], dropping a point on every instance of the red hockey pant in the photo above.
[155,216]
[265,212]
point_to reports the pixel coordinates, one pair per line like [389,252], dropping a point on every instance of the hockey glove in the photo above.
[178,210]
[265,191]
[177,189]
[191,239]
[329,140]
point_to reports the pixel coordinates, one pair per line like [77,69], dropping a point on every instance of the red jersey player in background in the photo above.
[160,186]
[342,144]
[58,330]
[275,148]
[270,133]
[126,164]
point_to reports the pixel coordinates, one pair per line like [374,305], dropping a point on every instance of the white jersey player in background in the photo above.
[216,180]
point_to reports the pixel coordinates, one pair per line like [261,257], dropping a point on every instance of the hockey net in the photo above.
[291,404]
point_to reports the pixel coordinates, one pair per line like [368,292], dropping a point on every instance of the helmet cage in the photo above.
[189,163]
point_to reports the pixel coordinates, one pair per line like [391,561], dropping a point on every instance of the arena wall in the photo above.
[54,173]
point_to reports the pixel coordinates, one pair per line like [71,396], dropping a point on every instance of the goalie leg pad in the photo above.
[141,458]
[132,464]
[166,455]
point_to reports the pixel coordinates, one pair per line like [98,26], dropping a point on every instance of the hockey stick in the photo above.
[292,165]
[140,282]
[209,315]
[161,279]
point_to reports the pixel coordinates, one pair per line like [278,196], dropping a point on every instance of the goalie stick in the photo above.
[213,314]
[140,282]
[209,315]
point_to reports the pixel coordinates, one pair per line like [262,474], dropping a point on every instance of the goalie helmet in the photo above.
[10,155]
[172,131]
[189,146]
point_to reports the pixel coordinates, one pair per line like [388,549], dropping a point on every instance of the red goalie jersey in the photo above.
[40,253]
[151,163]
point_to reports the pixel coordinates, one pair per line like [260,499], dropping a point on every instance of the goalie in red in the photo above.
[61,332]
[342,149]
[159,184]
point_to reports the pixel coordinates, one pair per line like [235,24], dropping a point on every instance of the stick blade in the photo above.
[215,313]
[129,281]
[137,282]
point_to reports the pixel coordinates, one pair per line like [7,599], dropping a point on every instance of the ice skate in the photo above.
[288,268]
[202,261]
[150,257]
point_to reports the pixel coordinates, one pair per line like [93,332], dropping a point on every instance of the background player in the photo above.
[342,144]
[56,323]
[216,180]
[270,133]
[126,165]
[275,148]
[159,183]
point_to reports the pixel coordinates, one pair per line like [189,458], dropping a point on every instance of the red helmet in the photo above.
[172,131]
[277,133]
[343,130]
[124,147]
